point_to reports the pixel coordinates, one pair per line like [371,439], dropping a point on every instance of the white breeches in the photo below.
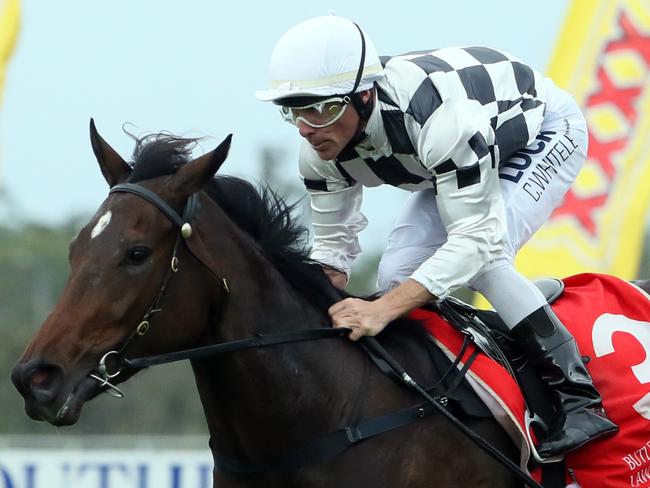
[533,184]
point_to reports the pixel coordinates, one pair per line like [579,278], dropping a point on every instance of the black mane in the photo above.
[263,214]
[160,154]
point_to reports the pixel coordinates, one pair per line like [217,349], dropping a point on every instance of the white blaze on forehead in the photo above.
[102,223]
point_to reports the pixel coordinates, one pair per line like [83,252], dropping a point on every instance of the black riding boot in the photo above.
[554,355]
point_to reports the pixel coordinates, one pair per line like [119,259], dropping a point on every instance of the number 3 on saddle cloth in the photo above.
[610,319]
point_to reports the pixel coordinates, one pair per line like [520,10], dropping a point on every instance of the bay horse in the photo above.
[240,271]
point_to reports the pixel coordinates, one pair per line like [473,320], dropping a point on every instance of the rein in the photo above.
[260,340]
[323,448]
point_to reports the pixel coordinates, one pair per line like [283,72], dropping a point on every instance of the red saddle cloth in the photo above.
[610,319]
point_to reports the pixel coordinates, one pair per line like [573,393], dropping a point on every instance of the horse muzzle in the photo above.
[49,395]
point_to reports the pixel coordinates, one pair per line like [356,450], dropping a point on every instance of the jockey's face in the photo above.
[329,141]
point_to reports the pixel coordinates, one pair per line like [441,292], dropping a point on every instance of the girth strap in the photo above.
[328,446]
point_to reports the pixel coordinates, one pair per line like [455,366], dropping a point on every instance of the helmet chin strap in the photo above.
[364,110]
[364,115]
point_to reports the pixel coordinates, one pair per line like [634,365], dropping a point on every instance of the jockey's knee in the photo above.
[485,278]
[387,272]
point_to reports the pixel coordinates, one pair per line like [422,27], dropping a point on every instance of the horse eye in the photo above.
[137,255]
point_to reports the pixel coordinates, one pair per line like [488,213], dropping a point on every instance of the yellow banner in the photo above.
[602,57]
[9,22]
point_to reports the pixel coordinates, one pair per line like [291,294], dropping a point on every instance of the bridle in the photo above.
[113,362]
[104,370]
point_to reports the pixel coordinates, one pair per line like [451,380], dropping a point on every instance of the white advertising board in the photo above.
[105,468]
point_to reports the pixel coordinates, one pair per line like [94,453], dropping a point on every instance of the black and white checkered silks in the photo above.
[444,120]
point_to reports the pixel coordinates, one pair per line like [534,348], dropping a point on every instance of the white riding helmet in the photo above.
[322,57]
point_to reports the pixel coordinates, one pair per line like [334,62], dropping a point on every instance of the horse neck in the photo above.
[252,396]
[260,299]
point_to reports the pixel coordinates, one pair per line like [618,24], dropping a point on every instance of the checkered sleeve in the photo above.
[456,145]
[335,210]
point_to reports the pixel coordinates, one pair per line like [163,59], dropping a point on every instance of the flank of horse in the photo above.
[260,404]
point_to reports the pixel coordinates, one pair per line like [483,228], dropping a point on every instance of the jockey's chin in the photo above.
[327,150]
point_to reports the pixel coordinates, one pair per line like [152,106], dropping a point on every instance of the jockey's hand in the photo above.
[363,317]
[370,318]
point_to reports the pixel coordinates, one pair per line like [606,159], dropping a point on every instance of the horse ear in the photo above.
[193,176]
[113,167]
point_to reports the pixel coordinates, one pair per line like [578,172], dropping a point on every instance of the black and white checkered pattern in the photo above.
[412,98]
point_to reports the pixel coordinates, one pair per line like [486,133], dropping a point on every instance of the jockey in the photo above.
[487,146]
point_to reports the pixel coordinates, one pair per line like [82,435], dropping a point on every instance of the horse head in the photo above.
[121,263]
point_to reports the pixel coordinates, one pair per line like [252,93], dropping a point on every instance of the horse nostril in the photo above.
[42,381]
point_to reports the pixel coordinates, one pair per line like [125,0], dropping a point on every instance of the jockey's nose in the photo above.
[38,380]
[305,130]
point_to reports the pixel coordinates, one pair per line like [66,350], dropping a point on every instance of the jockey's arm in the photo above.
[335,214]
[453,145]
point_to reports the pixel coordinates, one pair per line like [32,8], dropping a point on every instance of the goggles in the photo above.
[317,115]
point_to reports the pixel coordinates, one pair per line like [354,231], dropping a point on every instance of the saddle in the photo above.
[490,335]
[484,332]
